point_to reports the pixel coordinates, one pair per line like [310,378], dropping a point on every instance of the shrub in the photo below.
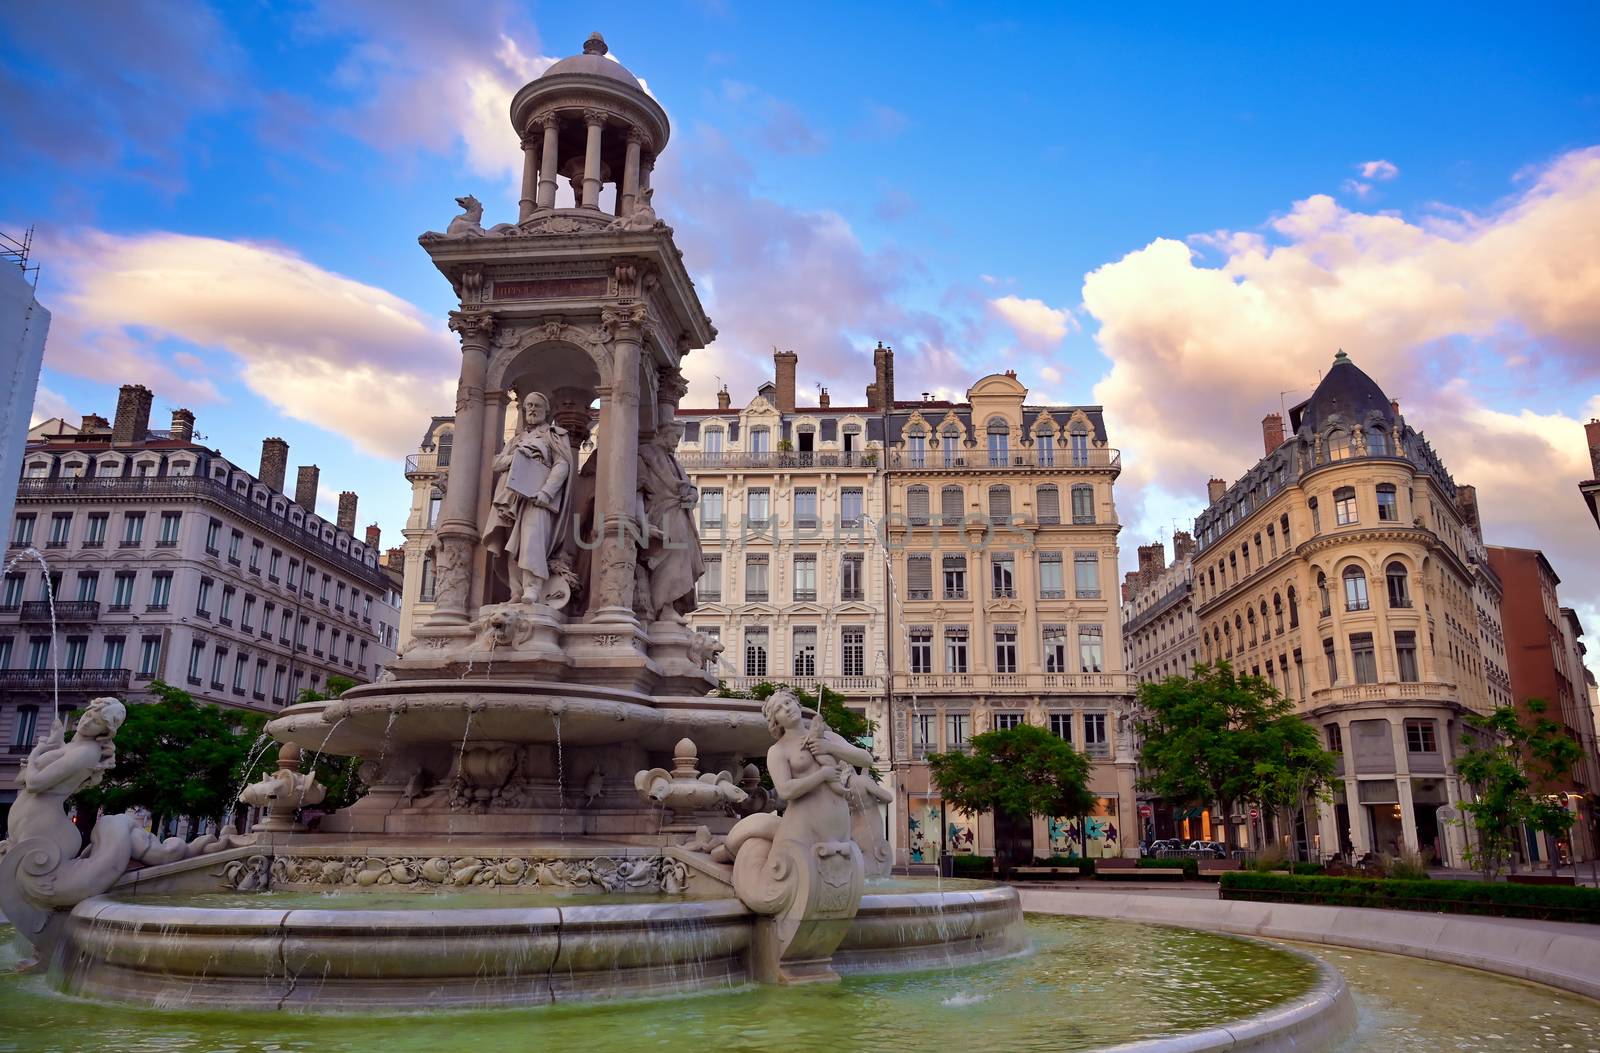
[1307,869]
[1407,866]
[972,866]
[1190,867]
[1544,902]
[1269,859]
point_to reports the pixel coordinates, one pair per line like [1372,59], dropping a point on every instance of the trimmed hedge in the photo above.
[1085,866]
[1190,867]
[972,866]
[1543,902]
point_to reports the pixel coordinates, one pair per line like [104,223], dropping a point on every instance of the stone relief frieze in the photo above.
[650,874]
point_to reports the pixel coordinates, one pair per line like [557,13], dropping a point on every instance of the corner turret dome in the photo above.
[1345,391]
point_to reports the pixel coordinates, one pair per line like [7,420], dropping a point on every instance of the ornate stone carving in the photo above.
[474,327]
[284,792]
[611,874]
[531,510]
[643,217]
[685,788]
[705,649]
[626,315]
[469,285]
[470,223]
[670,561]
[452,561]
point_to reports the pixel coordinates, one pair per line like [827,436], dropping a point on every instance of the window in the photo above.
[916,449]
[22,530]
[149,656]
[272,565]
[170,522]
[1388,504]
[805,578]
[1095,743]
[1061,726]
[709,588]
[957,727]
[999,443]
[1052,584]
[60,529]
[917,505]
[197,655]
[77,652]
[160,590]
[38,653]
[805,651]
[921,637]
[1005,648]
[850,506]
[1007,719]
[267,610]
[1405,653]
[1294,610]
[919,576]
[755,579]
[113,652]
[1332,660]
[258,685]
[88,582]
[1055,649]
[338,598]
[202,601]
[922,729]
[805,507]
[15,585]
[760,440]
[1399,589]
[955,577]
[1421,736]
[219,660]
[277,683]
[711,509]
[1338,445]
[758,507]
[1316,516]
[755,652]
[1335,738]
[1355,590]
[240,663]
[955,648]
[1363,659]
[1322,593]
[1003,576]
[94,534]
[1091,649]
[425,583]
[1000,505]
[247,614]
[27,728]
[5,652]
[1377,443]
[122,590]
[852,577]
[1049,499]
[132,528]
[853,650]
[327,583]
[1078,441]
[213,535]
[1086,575]
[952,505]
[711,441]
[226,611]
[1045,442]
[435,506]
[1344,506]
[1082,504]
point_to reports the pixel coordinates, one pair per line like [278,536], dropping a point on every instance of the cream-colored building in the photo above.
[1002,544]
[1159,637]
[1340,568]
[425,471]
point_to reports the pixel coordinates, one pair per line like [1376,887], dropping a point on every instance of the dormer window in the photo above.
[760,440]
[711,441]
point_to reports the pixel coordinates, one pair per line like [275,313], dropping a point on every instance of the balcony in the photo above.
[1398,692]
[967,683]
[67,611]
[1092,460]
[805,595]
[845,685]
[109,681]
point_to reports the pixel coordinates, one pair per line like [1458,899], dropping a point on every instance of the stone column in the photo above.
[647,164]
[457,537]
[630,173]
[617,475]
[495,404]
[591,158]
[530,179]
[1402,785]
[547,161]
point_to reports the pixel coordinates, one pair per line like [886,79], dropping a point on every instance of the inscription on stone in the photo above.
[550,288]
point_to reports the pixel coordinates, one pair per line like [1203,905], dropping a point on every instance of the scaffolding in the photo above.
[13,250]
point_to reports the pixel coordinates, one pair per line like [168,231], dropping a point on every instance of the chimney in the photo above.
[374,535]
[183,425]
[1272,431]
[93,422]
[880,393]
[395,557]
[133,414]
[347,512]
[1215,488]
[1152,560]
[274,462]
[823,399]
[724,400]
[1467,507]
[305,487]
[1592,430]
[1394,408]
[784,364]
[1182,545]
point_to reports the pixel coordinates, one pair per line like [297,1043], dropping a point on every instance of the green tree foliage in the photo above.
[852,726]
[1230,739]
[1022,771]
[1503,760]
[341,775]
[177,757]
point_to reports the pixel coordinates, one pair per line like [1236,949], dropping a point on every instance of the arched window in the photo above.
[1322,594]
[1284,523]
[1338,445]
[1399,585]
[1294,609]
[1252,621]
[1000,504]
[1049,505]
[1377,443]
[952,505]
[999,434]
[1078,438]
[1277,610]
[1266,631]
[917,505]
[1355,590]
[444,447]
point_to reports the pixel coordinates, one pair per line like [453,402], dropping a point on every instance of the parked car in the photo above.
[1156,847]
[1217,849]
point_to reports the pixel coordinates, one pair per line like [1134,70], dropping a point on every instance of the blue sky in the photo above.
[1172,213]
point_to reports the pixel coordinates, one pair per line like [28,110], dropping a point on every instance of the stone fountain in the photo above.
[549,733]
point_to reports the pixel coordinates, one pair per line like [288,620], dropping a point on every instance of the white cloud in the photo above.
[321,347]
[1382,171]
[47,404]
[1356,187]
[1034,321]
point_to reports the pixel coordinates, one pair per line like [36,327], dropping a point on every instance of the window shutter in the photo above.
[917,504]
[1049,504]
[950,504]
[919,575]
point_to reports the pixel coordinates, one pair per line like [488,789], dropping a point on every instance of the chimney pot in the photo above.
[93,422]
[305,487]
[724,400]
[1215,488]
[274,463]
[133,414]
[347,512]
[374,536]
[824,400]
[183,425]
[1272,431]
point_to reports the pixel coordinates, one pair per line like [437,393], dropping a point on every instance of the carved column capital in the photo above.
[474,327]
[627,316]
[671,384]
[638,135]
[548,121]
[594,118]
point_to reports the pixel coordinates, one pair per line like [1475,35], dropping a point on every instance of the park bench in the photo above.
[1045,873]
[1129,869]
[1219,866]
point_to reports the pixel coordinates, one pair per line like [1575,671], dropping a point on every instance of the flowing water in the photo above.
[50,598]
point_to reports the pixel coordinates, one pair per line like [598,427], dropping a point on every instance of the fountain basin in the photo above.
[451,952]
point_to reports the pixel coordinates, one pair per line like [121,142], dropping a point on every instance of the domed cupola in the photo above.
[588,120]
[1345,392]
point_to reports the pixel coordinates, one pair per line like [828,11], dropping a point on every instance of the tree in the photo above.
[341,775]
[852,726]
[1022,771]
[1219,737]
[177,757]
[1503,763]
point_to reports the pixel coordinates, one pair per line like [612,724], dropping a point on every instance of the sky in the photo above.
[1174,212]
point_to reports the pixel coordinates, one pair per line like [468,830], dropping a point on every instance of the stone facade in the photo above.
[1002,546]
[1159,638]
[171,562]
[1341,568]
